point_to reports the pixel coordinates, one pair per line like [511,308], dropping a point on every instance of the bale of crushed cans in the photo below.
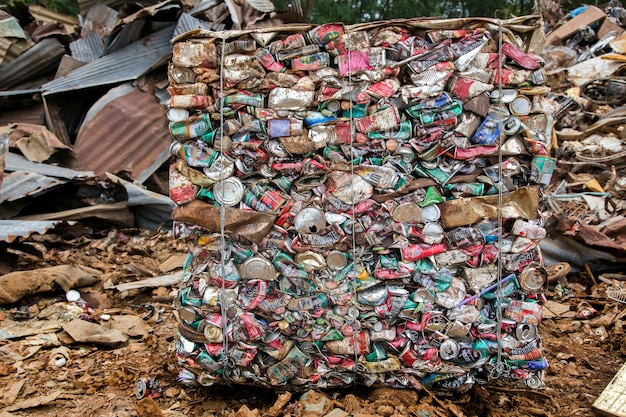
[361,203]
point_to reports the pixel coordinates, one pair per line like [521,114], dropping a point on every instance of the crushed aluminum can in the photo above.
[310,220]
[290,99]
[449,349]
[229,191]
[407,213]
[147,388]
[526,333]
[533,278]
[384,119]
[524,60]
[542,168]
[520,106]
[527,229]
[257,267]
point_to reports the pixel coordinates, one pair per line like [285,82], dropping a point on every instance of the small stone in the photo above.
[384,410]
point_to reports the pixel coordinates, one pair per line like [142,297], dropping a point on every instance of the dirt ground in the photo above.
[43,376]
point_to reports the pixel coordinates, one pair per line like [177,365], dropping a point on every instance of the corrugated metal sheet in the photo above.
[16,162]
[37,60]
[11,28]
[34,114]
[87,49]
[124,65]
[20,184]
[187,22]
[12,229]
[129,133]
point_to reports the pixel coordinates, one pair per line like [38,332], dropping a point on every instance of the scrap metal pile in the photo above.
[361,203]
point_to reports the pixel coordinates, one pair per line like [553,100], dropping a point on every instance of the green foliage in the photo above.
[357,11]
[69,7]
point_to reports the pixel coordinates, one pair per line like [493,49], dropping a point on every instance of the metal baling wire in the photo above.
[355,344]
[499,368]
[222,298]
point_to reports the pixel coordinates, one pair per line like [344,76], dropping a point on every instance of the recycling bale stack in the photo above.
[361,203]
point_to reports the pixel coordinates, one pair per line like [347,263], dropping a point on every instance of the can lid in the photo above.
[177,115]
[187,314]
[310,220]
[433,232]
[407,213]
[511,125]
[525,332]
[228,192]
[257,267]
[533,278]
[521,106]
[405,153]
[506,96]
[336,259]
[310,261]
[277,149]
[213,334]
[533,381]
[449,349]
[72,296]
[175,148]
[333,106]
[141,388]
[431,213]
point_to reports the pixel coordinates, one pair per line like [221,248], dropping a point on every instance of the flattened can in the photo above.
[528,229]
[336,260]
[323,34]
[541,170]
[407,213]
[382,120]
[228,192]
[520,106]
[257,267]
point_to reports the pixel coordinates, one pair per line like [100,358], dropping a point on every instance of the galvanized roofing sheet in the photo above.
[12,229]
[87,49]
[20,184]
[16,162]
[127,133]
[10,28]
[37,60]
[187,22]
[124,65]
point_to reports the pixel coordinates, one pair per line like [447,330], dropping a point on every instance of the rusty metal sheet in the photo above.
[16,162]
[12,229]
[250,225]
[124,65]
[128,133]
[37,60]
[522,203]
[10,28]
[20,184]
